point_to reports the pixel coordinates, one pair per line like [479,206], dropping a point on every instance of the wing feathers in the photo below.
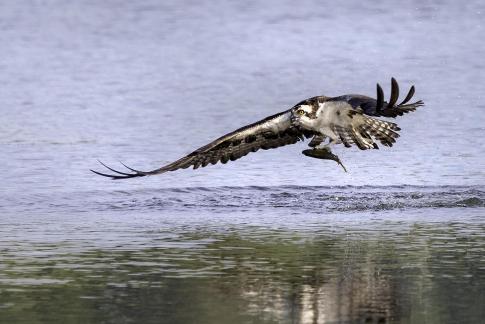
[379,107]
[393,110]
[269,133]
[408,96]
[380,98]
[343,135]
[383,131]
[394,94]
[361,130]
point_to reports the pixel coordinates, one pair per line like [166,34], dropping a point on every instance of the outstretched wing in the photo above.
[271,132]
[379,107]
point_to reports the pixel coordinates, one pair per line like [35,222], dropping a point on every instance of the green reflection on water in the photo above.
[427,273]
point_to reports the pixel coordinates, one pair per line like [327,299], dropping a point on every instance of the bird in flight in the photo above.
[328,121]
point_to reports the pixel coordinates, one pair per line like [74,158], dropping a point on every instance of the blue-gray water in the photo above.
[275,237]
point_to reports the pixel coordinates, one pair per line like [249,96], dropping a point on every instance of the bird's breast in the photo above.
[330,114]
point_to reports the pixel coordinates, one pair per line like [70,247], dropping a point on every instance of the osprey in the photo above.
[347,120]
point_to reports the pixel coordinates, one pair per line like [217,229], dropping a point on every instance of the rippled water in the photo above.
[273,238]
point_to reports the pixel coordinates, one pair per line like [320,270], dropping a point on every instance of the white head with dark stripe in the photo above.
[304,114]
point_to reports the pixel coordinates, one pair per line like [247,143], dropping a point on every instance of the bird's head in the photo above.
[303,115]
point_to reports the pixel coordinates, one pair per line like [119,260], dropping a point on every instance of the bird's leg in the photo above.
[317,140]
[324,152]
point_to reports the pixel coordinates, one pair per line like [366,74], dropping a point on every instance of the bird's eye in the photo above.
[300,112]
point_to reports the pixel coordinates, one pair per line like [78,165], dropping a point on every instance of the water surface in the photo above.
[275,237]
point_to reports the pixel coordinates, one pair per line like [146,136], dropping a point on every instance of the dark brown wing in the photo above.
[271,132]
[379,107]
